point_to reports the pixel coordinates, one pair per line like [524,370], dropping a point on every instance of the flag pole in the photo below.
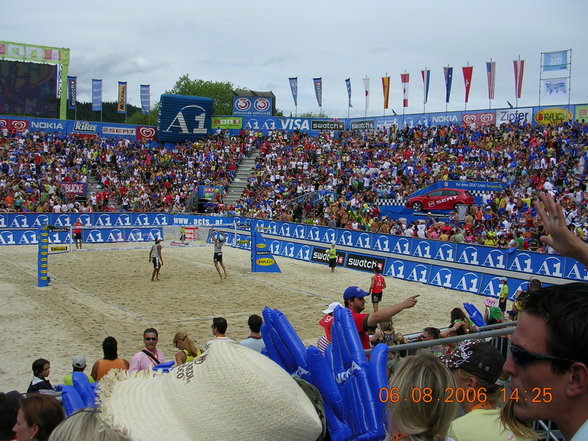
[384,115]
[570,78]
[540,77]
[465,105]
[424,92]
[516,86]
[489,99]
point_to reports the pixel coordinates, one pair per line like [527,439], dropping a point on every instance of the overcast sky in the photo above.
[258,44]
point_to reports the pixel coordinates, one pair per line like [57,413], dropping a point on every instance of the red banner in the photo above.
[519,68]
[467,79]
[479,119]
[145,133]
[404,78]
[73,187]
[386,90]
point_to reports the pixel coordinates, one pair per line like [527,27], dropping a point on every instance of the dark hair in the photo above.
[220,324]
[534,284]
[39,365]
[8,411]
[564,309]
[44,411]
[456,314]
[254,322]
[151,331]
[110,348]
[377,270]
[433,332]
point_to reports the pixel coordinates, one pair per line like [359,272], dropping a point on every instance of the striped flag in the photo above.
[491,73]
[426,76]
[519,68]
[404,78]
[366,88]
[386,90]
[52,55]
[467,80]
[448,73]
[96,95]
[318,90]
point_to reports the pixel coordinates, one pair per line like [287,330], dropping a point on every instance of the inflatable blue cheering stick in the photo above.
[79,396]
[348,384]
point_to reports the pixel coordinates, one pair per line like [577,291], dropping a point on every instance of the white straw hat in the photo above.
[228,392]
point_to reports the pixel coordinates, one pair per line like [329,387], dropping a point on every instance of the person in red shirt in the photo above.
[354,298]
[377,287]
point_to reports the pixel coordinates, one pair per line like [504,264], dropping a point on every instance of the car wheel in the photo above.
[417,206]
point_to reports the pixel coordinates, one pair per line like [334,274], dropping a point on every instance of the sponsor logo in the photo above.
[285,230]
[365,263]
[362,125]
[115,236]
[329,236]
[319,255]
[445,252]
[495,259]
[492,288]
[242,104]
[299,232]
[160,219]
[19,125]
[314,234]
[104,220]
[554,115]
[552,266]
[442,278]
[275,247]
[125,220]
[364,241]
[343,376]
[469,255]
[577,272]
[3,123]
[2,221]
[346,238]
[142,219]
[396,269]
[522,262]
[261,245]
[46,125]
[84,126]
[123,131]
[279,124]
[327,125]
[382,244]
[265,261]
[28,237]
[273,227]
[418,274]
[62,220]
[288,250]
[189,120]
[135,235]
[303,253]
[479,119]
[468,282]
[154,234]
[513,116]
[423,249]
[144,132]
[262,104]
[19,221]
[402,246]
[444,119]
[94,236]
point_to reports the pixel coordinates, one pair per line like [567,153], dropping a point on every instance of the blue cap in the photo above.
[354,291]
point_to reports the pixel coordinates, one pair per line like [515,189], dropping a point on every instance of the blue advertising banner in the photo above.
[265,125]
[434,250]
[183,118]
[208,191]
[574,269]
[262,259]
[252,106]
[90,235]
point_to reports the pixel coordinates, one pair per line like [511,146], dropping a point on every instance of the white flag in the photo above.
[554,88]
[366,87]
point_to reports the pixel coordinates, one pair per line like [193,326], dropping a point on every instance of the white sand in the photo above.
[95,294]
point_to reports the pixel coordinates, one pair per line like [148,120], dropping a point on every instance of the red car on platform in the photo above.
[440,199]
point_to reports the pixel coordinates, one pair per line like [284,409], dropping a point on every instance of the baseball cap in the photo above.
[79,361]
[478,358]
[228,378]
[354,291]
[331,307]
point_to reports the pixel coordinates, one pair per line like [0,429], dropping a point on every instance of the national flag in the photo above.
[366,88]
[52,55]
[294,87]
[72,91]
[145,98]
[491,73]
[404,79]
[555,61]
[386,90]
[2,48]
[519,68]
[467,80]
[448,73]
[122,97]
[96,95]
[348,85]
[318,90]
[426,76]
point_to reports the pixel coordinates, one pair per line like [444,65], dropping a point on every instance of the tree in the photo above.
[140,119]
[313,115]
[84,112]
[220,91]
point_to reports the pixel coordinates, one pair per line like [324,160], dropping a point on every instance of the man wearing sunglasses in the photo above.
[149,356]
[548,360]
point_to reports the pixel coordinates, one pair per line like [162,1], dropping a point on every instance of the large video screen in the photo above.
[28,89]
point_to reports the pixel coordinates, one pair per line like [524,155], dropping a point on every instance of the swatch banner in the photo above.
[96,95]
[294,88]
[318,90]
[72,89]
[121,106]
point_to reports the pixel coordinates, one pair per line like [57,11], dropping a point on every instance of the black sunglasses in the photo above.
[522,357]
[150,338]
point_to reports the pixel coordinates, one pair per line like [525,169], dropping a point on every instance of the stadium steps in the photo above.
[236,187]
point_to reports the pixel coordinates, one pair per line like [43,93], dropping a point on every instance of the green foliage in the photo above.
[313,115]
[220,91]
[85,113]
[140,119]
